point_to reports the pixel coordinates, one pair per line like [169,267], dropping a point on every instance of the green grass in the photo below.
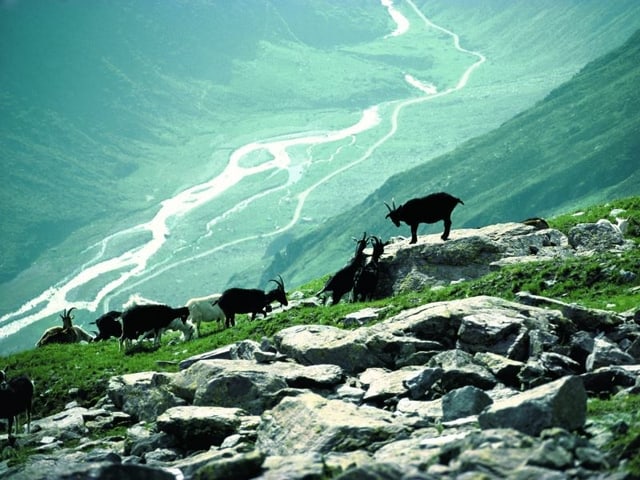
[592,281]
[619,415]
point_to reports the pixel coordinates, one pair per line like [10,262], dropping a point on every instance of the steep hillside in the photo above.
[579,145]
[116,99]
[122,104]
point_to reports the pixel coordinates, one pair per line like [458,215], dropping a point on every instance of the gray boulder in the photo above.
[562,403]
[198,428]
[463,402]
[601,235]
[143,395]
[311,423]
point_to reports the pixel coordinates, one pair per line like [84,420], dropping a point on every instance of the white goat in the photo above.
[205,309]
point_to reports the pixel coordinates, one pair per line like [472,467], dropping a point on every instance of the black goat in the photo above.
[108,326]
[16,396]
[341,282]
[429,209]
[155,318]
[253,301]
[366,279]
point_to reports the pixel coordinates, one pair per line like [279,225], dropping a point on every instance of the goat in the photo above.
[429,209]
[253,301]
[205,309]
[341,282]
[16,396]
[108,326]
[536,222]
[366,279]
[68,333]
[155,318]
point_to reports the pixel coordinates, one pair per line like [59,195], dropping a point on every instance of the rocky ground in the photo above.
[473,388]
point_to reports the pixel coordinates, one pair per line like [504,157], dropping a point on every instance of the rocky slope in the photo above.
[480,387]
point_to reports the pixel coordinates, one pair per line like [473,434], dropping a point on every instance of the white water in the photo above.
[134,264]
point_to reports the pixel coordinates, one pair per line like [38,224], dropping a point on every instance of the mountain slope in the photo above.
[579,145]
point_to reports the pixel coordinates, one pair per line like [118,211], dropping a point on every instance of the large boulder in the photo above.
[468,254]
[142,395]
[562,403]
[312,423]
[197,428]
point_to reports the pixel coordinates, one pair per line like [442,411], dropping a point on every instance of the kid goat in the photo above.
[429,209]
[253,301]
[16,396]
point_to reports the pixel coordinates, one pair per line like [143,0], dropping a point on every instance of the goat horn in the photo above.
[279,282]
[387,205]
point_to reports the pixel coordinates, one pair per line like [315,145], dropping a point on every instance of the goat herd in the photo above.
[143,318]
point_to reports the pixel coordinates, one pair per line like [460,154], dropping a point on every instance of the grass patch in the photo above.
[619,415]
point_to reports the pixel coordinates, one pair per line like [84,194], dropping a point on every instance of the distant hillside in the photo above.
[578,146]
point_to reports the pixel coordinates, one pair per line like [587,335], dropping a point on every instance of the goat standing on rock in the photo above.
[253,301]
[429,209]
[341,282]
[366,279]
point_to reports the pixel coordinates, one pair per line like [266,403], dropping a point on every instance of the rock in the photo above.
[468,254]
[608,379]
[484,332]
[248,385]
[144,395]
[559,365]
[304,465]
[583,318]
[226,466]
[460,369]
[562,403]
[421,381]
[323,344]
[197,428]
[607,353]
[310,422]
[503,368]
[251,391]
[360,317]
[222,353]
[463,402]
[140,440]
[595,236]
[383,384]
